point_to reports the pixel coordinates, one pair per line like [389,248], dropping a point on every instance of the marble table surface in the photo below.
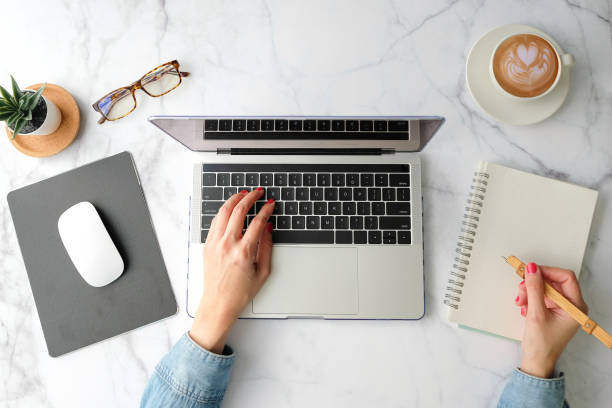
[306,57]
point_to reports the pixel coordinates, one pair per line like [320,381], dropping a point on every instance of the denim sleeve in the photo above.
[526,391]
[189,376]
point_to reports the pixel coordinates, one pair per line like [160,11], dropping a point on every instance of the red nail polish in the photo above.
[269,227]
[532,268]
[259,188]
[523,313]
[516,300]
[243,192]
[270,201]
[522,282]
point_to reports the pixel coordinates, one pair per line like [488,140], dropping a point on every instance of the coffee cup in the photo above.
[527,66]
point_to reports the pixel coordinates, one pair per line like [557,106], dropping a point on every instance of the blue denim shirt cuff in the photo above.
[196,373]
[524,390]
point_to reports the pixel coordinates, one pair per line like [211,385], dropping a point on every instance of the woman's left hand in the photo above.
[236,266]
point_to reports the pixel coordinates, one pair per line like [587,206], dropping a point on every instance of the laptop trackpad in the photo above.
[304,280]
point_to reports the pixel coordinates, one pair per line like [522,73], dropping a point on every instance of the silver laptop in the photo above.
[348,241]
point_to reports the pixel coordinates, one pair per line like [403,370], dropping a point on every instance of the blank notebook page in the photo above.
[535,218]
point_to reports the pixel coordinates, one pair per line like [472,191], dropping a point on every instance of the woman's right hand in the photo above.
[548,328]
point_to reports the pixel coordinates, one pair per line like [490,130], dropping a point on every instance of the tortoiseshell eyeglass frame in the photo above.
[137,85]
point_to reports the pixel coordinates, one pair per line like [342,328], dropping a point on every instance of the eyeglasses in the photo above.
[157,82]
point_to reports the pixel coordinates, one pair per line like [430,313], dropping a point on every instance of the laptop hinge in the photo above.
[280,151]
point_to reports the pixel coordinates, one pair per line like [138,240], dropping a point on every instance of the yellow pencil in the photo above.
[587,324]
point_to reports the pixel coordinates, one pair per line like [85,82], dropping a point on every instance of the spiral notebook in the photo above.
[510,212]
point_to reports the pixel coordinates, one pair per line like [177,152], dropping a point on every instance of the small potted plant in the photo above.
[28,112]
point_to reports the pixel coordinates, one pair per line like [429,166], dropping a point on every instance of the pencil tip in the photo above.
[504,258]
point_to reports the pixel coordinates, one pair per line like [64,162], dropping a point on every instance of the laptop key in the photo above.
[359,194]
[367,180]
[363,208]
[403,194]
[298,222]
[305,208]
[310,125]
[399,180]
[206,221]
[266,179]
[388,194]
[281,125]
[356,222]
[223,179]
[327,222]
[316,194]
[291,208]
[342,222]
[211,207]
[366,125]
[295,179]
[346,194]
[253,125]
[331,194]
[267,124]
[374,237]
[338,125]
[398,208]
[302,237]
[380,125]
[344,237]
[352,180]
[360,237]
[349,208]
[212,193]
[280,179]
[381,180]
[237,179]
[204,235]
[239,125]
[396,223]
[228,192]
[352,125]
[302,194]
[323,125]
[388,237]
[320,208]
[283,222]
[278,208]
[378,208]
[211,124]
[288,194]
[312,222]
[295,124]
[371,223]
[252,179]
[273,192]
[334,208]
[403,237]
[398,126]
[374,194]
[309,179]
[323,180]
[225,124]
[209,179]
[337,180]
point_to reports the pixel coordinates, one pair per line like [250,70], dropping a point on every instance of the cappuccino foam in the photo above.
[525,65]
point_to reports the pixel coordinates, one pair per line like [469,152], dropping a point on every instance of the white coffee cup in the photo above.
[564,60]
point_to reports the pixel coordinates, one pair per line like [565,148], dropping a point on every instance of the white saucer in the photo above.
[491,100]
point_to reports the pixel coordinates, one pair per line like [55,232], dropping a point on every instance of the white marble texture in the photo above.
[306,57]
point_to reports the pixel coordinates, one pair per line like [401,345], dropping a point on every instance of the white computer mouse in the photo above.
[89,245]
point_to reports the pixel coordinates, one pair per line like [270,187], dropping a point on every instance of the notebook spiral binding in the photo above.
[469,224]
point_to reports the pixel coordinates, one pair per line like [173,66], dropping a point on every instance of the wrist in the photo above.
[538,368]
[210,330]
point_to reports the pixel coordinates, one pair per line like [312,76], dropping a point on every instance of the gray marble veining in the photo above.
[307,57]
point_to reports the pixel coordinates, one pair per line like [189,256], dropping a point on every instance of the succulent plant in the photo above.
[16,109]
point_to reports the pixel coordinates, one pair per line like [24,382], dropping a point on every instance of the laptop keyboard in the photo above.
[306,129]
[319,203]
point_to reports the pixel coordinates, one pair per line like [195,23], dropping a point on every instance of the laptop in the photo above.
[348,234]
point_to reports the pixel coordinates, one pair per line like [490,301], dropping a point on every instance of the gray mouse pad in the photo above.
[72,313]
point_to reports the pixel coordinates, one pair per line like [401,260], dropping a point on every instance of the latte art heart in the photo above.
[525,65]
